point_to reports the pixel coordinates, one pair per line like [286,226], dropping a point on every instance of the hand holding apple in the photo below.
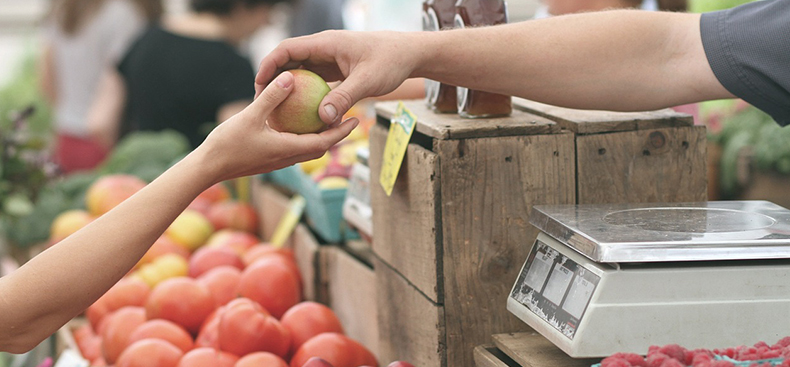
[245,144]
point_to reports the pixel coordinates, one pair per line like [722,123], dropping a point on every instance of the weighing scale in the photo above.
[610,278]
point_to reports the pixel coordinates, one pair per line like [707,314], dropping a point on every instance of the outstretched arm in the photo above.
[50,289]
[617,60]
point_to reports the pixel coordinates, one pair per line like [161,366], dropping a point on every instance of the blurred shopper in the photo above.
[184,73]
[313,16]
[82,38]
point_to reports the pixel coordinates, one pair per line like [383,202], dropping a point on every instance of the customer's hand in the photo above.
[369,64]
[245,144]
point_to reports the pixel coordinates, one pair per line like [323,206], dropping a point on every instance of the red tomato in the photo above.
[308,319]
[337,349]
[207,357]
[245,327]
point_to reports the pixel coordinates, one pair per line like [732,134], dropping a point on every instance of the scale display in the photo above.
[555,288]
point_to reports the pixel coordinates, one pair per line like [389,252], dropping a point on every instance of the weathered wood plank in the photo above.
[406,223]
[411,326]
[451,126]
[659,165]
[352,295]
[307,252]
[488,187]
[594,121]
[490,356]
[533,350]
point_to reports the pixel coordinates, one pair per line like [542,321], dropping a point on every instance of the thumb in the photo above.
[340,99]
[273,95]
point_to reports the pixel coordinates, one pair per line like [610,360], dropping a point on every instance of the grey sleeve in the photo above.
[748,48]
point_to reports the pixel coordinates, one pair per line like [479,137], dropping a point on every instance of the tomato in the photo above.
[308,319]
[245,327]
[337,349]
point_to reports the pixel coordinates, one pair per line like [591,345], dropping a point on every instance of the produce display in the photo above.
[203,296]
[759,355]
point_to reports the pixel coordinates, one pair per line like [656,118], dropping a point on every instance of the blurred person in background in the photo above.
[82,37]
[155,86]
[313,16]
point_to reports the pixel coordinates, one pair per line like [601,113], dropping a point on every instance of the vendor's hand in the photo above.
[246,145]
[369,64]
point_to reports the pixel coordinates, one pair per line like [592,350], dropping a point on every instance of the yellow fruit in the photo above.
[347,153]
[191,229]
[163,267]
[67,223]
[333,182]
[310,166]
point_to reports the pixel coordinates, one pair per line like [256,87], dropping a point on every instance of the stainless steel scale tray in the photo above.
[625,233]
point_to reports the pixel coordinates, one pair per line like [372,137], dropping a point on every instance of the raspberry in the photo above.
[759,345]
[721,364]
[652,349]
[672,363]
[634,359]
[701,358]
[773,353]
[766,364]
[785,363]
[614,362]
[674,351]
[784,342]
[656,359]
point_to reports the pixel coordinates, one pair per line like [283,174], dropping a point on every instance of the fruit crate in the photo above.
[324,207]
[451,238]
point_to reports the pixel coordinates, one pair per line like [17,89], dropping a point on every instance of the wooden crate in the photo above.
[656,156]
[525,350]
[455,231]
[351,293]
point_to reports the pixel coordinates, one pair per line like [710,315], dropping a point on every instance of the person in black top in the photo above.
[184,74]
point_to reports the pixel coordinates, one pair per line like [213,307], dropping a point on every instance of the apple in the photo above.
[109,191]
[298,113]
[67,223]
[316,362]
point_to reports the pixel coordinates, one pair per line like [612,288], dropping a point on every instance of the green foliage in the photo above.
[143,154]
[704,6]
[146,154]
[756,131]
[21,92]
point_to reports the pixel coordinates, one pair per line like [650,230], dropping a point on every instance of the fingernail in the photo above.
[330,111]
[284,80]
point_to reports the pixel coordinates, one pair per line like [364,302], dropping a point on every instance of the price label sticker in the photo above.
[401,128]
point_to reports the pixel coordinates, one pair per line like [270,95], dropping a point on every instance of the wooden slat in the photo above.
[270,204]
[451,126]
[488,187]
[660,165]
[490,356]
[307,252]
[352,295]
[533,350]
[406,223]
[594,121]
[411,327]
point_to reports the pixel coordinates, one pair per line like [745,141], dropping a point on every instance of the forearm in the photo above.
[61,282]
[617,60]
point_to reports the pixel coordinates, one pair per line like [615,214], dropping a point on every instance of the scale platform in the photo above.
[610,278]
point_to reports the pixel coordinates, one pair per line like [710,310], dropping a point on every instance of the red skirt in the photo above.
[74,153]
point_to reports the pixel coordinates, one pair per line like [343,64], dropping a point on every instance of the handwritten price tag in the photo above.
[401,127]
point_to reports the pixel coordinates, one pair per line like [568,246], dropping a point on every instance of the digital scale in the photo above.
[608,278]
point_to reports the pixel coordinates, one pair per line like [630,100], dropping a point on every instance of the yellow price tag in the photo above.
[401,127]
[288,222]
